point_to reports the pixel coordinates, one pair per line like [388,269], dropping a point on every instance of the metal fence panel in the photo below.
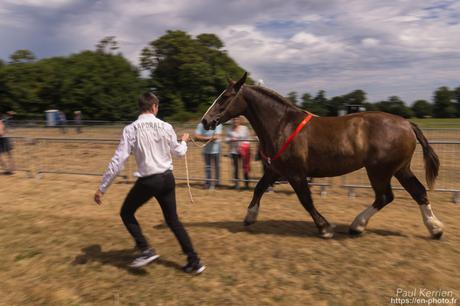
[449,171]
[23,154]
[90,156]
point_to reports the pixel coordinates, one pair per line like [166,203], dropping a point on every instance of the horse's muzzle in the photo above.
[209,125]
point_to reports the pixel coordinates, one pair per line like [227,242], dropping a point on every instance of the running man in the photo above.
[152,141]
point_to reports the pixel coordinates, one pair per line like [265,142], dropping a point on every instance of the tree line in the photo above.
[101,85]
[446,104]
[186,72]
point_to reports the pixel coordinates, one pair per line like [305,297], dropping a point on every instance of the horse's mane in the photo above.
[274,95]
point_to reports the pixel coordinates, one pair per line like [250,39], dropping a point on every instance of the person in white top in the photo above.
[153,142]
[237,138]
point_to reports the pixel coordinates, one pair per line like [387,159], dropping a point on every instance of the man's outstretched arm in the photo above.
[116,164]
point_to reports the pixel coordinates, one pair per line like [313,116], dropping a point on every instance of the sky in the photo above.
[386,48]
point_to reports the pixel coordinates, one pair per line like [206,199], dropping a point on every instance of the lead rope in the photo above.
[203,145]
[188,180]
[186,165]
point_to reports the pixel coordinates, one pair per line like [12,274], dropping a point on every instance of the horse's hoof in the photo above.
[437,236]
[251,217]
[354,232]
[248,222]
[327,233]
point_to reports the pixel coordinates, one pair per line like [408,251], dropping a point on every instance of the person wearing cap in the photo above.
[152,142]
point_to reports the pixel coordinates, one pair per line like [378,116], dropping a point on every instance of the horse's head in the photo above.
[227,106]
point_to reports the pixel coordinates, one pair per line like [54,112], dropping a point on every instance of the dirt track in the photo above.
[59,249]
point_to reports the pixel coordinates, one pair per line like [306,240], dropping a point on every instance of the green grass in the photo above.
[446,123]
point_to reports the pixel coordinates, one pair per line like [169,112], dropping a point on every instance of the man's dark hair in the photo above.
[146,101]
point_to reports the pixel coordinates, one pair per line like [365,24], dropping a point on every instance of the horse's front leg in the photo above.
[253,209]
[302,190]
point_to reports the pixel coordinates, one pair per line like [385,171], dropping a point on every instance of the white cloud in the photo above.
[38,3]
[404,48]
[370,42]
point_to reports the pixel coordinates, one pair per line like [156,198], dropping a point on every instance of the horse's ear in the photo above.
[240,82]
[229,80]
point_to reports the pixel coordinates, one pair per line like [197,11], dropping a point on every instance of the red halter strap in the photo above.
[288,141]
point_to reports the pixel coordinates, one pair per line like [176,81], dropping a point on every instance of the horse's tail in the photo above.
[429,155]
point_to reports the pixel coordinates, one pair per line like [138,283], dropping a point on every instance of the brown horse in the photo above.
[329,146]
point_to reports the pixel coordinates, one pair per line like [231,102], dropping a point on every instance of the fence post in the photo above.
[351,193]
[323,191]
[29,143]
[456,198]
[39,160]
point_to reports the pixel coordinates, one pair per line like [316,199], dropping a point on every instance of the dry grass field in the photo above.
[58,248]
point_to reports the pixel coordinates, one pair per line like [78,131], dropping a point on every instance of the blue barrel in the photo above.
[52,117]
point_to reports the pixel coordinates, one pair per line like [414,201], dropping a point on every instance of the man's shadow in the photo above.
[117,258]
[285,228]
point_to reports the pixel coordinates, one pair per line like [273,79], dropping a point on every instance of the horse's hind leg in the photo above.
[303,192]
[253,209]
[418,193]
[380,180]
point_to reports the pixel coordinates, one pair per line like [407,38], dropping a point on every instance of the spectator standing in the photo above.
[237,138]
[211,153]
[62,122]
[6,148]
[7,120]
[77,121]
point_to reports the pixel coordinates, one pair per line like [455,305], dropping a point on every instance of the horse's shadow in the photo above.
[285,228]
[117,258]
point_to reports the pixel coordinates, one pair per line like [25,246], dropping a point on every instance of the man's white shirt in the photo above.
[152,141]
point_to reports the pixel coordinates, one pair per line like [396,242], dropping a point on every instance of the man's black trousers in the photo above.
[163,188]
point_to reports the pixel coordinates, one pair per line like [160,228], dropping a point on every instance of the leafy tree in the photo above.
[443,105]
[370,106]
[395,106]
[210,41]
[422,109]
[188,73]
[147,59]
[292,96]
[316,105]
[320,97]
[103,86]
[19,86]
[456,93]
[356,97]
[307,100]
[22,56]
[107,45]
[334,105]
